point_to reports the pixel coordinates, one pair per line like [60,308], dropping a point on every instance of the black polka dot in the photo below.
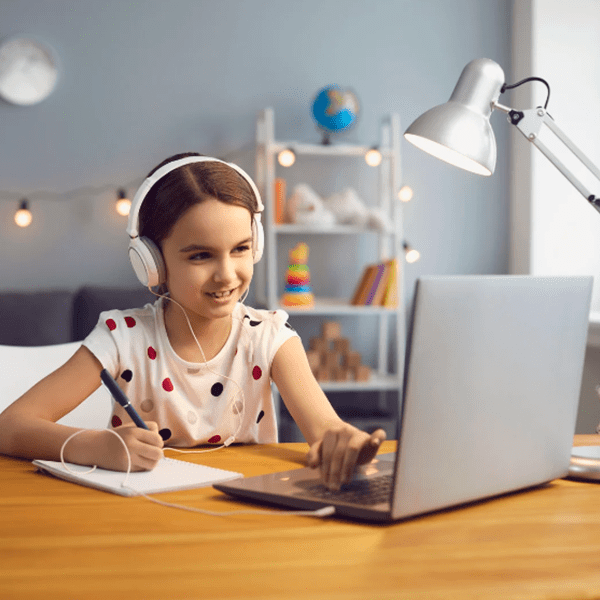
[289,327]
[127,375]
[261,414]
[217,389]
[165,434]
[246,316]
[255,323]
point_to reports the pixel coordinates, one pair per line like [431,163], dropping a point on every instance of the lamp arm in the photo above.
[529,123]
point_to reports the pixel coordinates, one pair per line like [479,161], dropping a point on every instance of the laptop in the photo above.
[491,392]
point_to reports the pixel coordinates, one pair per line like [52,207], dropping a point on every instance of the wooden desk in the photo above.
[66,542]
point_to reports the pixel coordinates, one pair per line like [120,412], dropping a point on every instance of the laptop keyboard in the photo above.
[361,491]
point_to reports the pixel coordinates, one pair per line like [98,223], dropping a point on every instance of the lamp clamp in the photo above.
[515,116]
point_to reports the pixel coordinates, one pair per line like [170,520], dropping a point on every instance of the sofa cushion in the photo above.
[90,301]
[35,318]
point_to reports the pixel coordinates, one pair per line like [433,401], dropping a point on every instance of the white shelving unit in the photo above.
[389,245]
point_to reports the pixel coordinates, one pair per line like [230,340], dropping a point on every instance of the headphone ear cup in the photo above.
[147,262]
[258,237]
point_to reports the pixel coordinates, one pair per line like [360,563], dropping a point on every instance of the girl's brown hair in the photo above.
[191,184]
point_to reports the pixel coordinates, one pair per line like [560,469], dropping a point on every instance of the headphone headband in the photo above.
[133,221]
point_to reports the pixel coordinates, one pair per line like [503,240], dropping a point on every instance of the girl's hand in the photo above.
[145,447]
[341,448]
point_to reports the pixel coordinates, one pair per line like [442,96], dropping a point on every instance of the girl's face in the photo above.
[208,256]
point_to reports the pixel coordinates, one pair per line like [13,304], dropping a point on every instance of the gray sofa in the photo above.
[41,318]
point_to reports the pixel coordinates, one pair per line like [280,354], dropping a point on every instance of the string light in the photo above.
[373,157]
[123,203]
[286,157]
[405,193]
[410,254]
[23,216]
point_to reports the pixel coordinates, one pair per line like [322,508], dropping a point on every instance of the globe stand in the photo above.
[326,139]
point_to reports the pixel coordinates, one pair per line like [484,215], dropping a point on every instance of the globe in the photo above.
[335,109]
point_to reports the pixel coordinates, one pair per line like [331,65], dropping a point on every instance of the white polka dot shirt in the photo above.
[194,403]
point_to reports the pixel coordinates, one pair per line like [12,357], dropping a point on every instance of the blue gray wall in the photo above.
[142,80]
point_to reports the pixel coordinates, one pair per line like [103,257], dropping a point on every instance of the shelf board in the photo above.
[336,306]
[295,229]
[324,149]
[376,383]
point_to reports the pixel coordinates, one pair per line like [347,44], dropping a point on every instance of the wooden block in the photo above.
[331,330]
[319,344]
[341,345]
[341,374]
[362,373]
[314,359]
[331,359]
[323,374]
[352,360]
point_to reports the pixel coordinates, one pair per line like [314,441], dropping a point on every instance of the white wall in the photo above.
[555,231]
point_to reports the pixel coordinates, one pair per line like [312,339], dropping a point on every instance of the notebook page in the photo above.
[168,475]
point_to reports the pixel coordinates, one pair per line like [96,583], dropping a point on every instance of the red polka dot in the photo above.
[130,321]
[214,439]
[167,385]
[116,421]
[257,373]
[111,324]
[151,353]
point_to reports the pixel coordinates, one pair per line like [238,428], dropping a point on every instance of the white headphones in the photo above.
[146,258]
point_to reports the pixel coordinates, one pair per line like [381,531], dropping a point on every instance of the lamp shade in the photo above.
[459,132]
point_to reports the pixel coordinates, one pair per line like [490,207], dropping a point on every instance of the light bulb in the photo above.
[410,254]
[373,157]
[23,216]
[405,193]
[123,204]
[286,157]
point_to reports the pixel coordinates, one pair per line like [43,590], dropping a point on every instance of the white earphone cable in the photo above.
[321,512]
[240,391]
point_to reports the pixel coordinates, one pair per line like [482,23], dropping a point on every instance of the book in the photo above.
[280,192]
[378,285]
[390,293]
[365,285]
[359,287]
[376,292]
[169,475]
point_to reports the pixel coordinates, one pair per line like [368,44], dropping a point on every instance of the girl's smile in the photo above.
[221,297]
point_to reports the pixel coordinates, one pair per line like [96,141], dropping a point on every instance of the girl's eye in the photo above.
[200,256]
[243,248]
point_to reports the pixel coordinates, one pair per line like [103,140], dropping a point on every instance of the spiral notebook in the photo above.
[169,475]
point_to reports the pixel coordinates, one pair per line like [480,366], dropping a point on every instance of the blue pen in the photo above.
[117,393]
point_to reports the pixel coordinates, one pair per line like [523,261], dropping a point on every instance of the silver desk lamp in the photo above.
[459,132]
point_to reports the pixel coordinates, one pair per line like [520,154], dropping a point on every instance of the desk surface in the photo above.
[60,541]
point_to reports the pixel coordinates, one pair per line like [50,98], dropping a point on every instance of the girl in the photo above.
[197,364]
